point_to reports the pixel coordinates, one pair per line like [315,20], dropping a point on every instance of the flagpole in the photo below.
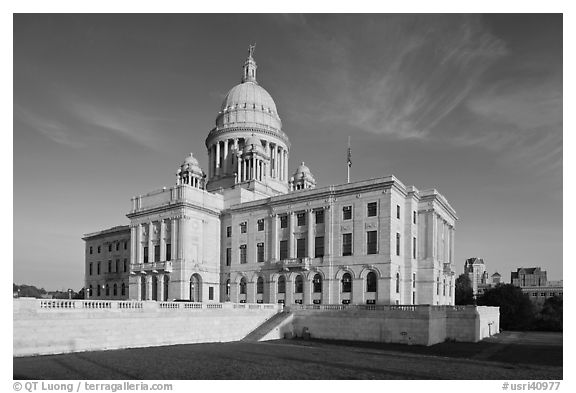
[349,162]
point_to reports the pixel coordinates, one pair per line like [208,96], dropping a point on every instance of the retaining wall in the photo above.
[423,325]
[59,326]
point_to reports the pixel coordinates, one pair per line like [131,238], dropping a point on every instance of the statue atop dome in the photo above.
[251,49]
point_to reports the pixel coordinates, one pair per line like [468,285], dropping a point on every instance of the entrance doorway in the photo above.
[195,288]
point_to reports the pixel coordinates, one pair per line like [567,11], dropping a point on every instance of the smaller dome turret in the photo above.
[253,144]
[191,173]
[302,178]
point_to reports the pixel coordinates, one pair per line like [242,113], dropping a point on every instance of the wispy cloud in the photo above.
[52,129]
[132,126]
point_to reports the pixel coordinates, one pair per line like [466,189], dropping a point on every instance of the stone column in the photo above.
[162,240]
[272,162]
[160,288]
[218,158]
[279,170]
[210,162]
[173,237]
[183,223]
[226,166]
[245,170]
[358,290]
[327,232]
[310,235]
[148,287]
[150,242]
[291,226]
[139,253]
[285,164]
[133,243]
[289,295]
[274,246]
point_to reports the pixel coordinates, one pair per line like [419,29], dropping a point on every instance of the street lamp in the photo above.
[69,293]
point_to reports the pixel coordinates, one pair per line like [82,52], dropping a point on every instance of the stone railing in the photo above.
[292,263]
[375,307]
[130,305]
[147,267]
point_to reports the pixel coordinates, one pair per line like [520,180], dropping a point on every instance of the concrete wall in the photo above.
[55,326]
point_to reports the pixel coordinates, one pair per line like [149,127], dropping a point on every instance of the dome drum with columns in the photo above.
[191,173]
[248,145]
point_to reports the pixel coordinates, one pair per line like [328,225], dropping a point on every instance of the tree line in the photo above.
[517,311]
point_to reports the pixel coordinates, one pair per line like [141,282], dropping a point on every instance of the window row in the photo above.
[108,290]
[301,247]
[110,247]
[110,265]
[371,284]
[157,256]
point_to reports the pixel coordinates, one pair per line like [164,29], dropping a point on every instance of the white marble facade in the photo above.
[251,231]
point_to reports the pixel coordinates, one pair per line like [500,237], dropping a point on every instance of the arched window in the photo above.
[371,282]
[107,290]
[281,284]
[123,289]
[260,285]
[298,284]
[317,282]
[346,282]
[115,290]
[243,286]
[397,282]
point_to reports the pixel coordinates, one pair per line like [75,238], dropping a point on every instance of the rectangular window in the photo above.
[210,293]
[260,224]
[98,249]
[347,212]
[413,297]
[243,227]
[260,252]
[372,209]
[125,245]
[398,211]
[117,246]
[90,269]
[413,280]
[145,254]
[168,251]
[414,248]
[98,268]
[109,247]
[300,248]
[243,253]
[414,217]
[319,247]
[346,244]
[90,250]
[109,266]
[117,265]
[397,244]
[156,253]
[372,242]
[228,231]
[301,219]
[284,221]
[228,256]
[283,249]
[125,265]
[319,216]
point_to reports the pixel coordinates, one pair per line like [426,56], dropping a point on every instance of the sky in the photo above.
[107,106]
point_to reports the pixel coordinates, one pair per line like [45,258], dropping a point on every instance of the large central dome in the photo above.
[247,148]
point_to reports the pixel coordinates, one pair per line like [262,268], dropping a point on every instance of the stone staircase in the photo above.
[270,329]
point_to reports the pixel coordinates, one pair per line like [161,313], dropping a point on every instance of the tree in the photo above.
[550,316]
[463,290]
[516,309]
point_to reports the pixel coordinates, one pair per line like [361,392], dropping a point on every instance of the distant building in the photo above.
[534,282]
[528,277]
[495,279]
[476,270]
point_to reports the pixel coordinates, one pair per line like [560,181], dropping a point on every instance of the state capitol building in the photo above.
[251,230]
